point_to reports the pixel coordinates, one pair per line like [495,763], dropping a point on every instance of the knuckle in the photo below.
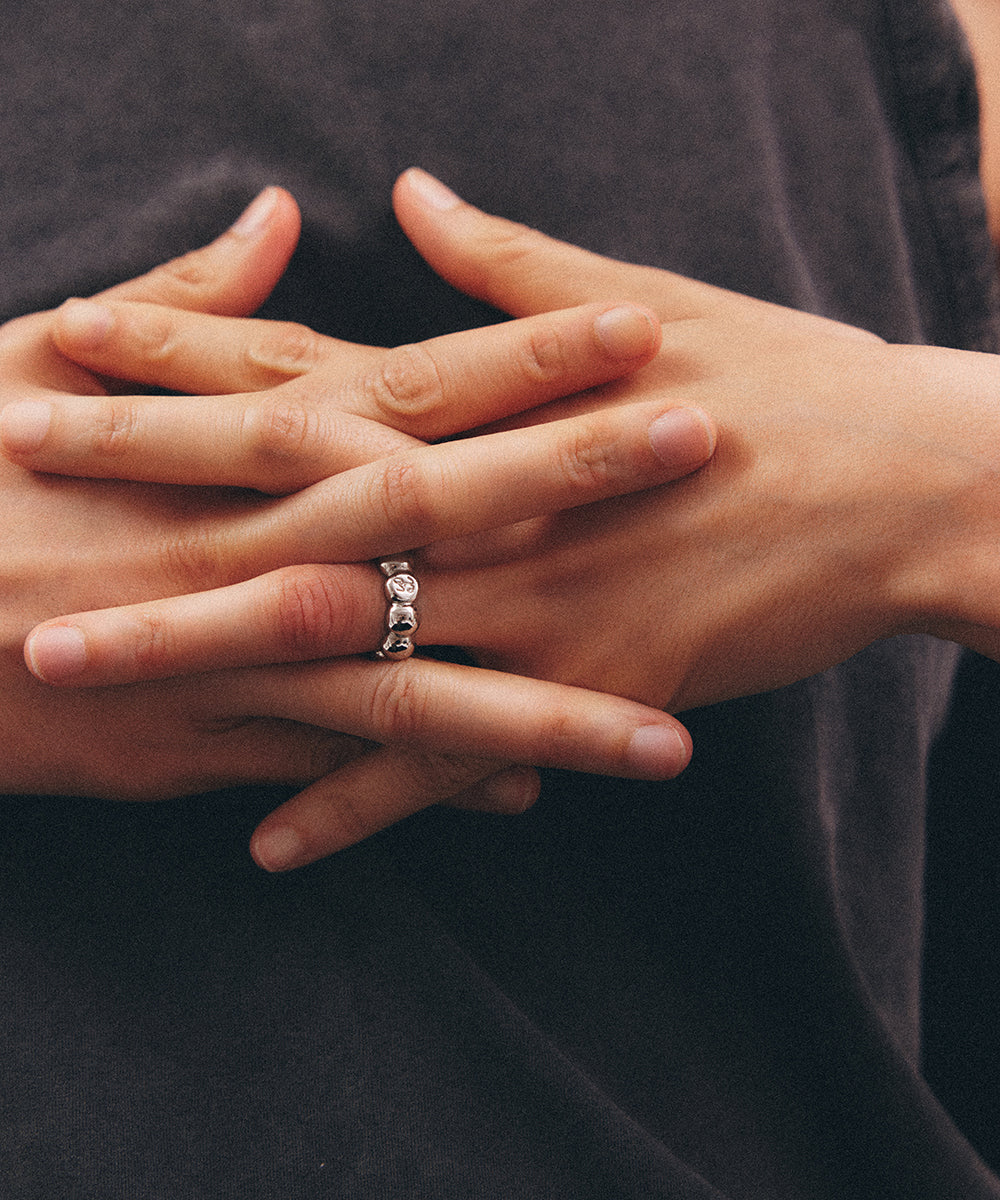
[348,821]
[116,427]
[283,428]
[398,706]
[508,243]
[311,609]
[505,249]
[319,752]
[190,272]
[557,737]
[286,347]
[407,384]
[544,357]
[152,644]
[585,460]
[405,496]
[441,776]
[190,558]
[151,333]
[267,750]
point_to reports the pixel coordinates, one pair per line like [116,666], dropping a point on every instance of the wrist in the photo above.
[946,579]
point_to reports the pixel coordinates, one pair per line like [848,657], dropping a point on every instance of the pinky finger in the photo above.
[439,707]
[378,790]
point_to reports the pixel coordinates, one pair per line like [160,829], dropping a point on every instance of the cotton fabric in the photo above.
[707,988]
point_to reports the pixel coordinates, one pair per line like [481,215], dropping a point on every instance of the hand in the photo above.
[68,541]
[852,497]
[864,475]
[164,534]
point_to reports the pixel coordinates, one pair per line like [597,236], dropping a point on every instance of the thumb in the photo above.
[233,275]
[522,271]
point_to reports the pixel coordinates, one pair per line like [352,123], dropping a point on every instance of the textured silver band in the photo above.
[401,590]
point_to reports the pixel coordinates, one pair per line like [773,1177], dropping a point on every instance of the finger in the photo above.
[460,710]
[234,274]
[451,384]
[195,352]
[277,442]
[521,271]
[310,610]
[255,750]
[195,737]
[376,791]
[298,434]
[431,389]
[289,615]
[476,484]
[315,610]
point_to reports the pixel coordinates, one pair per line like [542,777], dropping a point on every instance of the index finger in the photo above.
[521,270]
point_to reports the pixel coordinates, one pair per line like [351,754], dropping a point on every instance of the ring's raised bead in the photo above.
[401,589]
[401,618]
[395,647]
[394,566]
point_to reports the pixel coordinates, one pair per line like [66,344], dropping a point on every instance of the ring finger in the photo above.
[293,614]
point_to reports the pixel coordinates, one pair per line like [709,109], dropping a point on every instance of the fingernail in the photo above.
[625,331]
[57,653]
[277,848]
[257,215]
[657,752]
[683,437]
[86,322]
[512,792]
[432,191]
[24,425]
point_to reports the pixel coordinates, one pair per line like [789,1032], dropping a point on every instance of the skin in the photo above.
[399,750]
[802,463]
[849,500]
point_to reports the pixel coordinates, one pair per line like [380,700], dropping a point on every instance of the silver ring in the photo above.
[401,590]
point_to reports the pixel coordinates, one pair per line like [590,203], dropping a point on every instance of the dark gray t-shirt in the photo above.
[709,988]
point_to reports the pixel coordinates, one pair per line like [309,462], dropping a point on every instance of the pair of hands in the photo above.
[81,543]
[850,498]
